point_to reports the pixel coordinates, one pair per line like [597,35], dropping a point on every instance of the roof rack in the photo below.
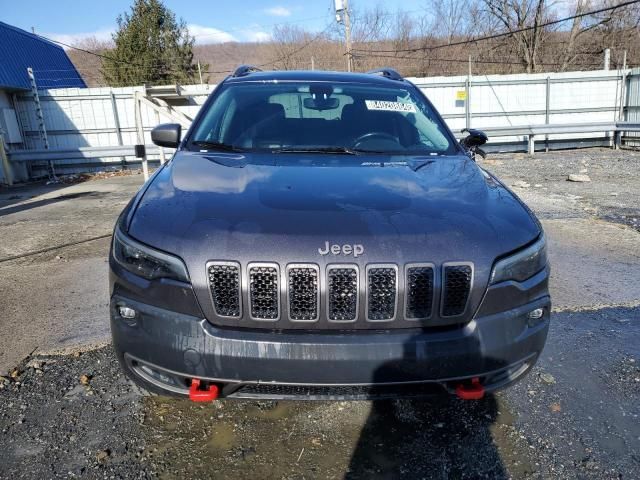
[243,70]
[389,73]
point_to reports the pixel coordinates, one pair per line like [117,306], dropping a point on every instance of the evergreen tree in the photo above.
[151,47]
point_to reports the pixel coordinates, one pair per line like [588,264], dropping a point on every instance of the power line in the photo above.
[115,60]
[457,60]
[506,34]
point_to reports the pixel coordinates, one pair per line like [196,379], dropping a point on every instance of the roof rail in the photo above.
[389,73]
[243,70]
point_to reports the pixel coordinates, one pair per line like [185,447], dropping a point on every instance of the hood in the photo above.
[284,208]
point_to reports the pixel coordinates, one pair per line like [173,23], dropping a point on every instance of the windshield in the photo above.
[321,117]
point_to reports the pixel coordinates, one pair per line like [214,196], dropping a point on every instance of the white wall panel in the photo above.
[84,117]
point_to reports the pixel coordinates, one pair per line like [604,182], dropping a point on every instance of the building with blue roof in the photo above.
[20,50]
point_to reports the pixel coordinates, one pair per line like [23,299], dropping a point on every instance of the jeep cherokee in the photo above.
[323,235]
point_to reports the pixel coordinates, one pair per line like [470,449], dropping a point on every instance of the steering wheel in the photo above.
[374,136]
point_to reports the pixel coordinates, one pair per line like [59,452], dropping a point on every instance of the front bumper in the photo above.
[168,349]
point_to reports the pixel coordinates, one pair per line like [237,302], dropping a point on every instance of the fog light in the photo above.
[536,314]
[127,313]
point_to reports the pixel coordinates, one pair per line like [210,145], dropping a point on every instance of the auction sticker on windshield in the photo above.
[390,106]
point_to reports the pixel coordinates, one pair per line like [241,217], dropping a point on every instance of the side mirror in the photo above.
[474,139]
[167,135]
[471,143]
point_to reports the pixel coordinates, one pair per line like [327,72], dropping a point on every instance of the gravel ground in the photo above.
[576,415]
[611,194]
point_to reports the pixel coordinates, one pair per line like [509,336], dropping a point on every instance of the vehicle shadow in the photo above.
[434,437]
[16,208]
[445,438]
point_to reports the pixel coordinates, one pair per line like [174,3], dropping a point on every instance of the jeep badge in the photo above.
[356,249]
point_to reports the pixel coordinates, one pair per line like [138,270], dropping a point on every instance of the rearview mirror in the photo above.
[319,103]
[167,135]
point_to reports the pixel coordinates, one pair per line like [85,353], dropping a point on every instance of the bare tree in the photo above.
[88,65]
[515,15]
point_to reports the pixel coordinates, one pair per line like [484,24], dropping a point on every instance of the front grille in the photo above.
[456,288]
[224,283]
[389,291]
[304,292]
[342,294]
[419,292]
[381,293]
[264,292]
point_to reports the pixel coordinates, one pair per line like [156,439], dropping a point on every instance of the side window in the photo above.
[429,131]
[227,117]
[212,124]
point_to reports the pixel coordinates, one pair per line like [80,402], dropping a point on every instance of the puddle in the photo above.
[222,437]
[264,439]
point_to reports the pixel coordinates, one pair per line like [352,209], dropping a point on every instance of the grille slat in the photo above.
[264,292]
[342,294]
[224,283]
[419,292]
[303,293]
[381,293]
[456,288]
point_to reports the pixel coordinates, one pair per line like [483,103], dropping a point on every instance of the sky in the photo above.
[209,21]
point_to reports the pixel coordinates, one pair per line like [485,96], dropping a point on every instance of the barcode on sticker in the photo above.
[390,106]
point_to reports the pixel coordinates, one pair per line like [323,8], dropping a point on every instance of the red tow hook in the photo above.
[197,395]
[475,391]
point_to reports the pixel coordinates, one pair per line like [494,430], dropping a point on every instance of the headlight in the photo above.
[522,265]
[145,261]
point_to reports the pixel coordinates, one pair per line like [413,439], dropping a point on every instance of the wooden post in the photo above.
[200,73]
[547,108]
[160,149]
[140,132]
[6,166]
[116,121]
[531,145]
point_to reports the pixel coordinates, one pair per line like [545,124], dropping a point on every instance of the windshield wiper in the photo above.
[344,150]
[225,147]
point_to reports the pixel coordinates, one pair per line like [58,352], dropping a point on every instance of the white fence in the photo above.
[104,117]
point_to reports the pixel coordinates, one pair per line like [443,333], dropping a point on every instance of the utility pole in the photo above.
[607,59]
[347,35]
[343,16]
[313,63]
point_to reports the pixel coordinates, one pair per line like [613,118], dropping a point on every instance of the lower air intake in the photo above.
[456,288]
[264,292]
[346,392]
[224,283]
[342,293]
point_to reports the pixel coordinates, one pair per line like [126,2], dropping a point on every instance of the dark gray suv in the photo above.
[323,235]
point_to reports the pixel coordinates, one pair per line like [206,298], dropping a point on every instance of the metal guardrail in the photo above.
[533,131]
[529,131]
[75,153]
